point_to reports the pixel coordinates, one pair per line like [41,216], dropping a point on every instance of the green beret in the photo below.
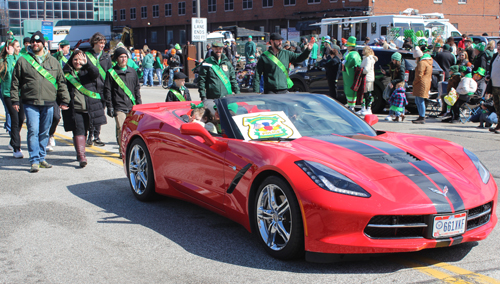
[396,56]
[63,42]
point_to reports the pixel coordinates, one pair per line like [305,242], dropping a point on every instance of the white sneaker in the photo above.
[49,148]
[52,141]
[18,155]
[361,111]
[367,111]
[388,118]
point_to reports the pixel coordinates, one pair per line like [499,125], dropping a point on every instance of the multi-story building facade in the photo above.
[160,23]
[16,11]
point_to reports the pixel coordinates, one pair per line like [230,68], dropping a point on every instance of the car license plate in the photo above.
[449,225]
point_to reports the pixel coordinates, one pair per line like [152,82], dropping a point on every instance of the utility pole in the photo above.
[44,10]
[199,44]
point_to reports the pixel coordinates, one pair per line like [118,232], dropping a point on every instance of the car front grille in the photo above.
[416,226]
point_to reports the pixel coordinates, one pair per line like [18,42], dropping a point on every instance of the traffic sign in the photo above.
[199,29]
[48,29]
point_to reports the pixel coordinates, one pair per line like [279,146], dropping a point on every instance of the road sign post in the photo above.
[199,29]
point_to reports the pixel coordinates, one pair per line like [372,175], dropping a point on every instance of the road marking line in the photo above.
[109,156]
[431,271]
[477,278]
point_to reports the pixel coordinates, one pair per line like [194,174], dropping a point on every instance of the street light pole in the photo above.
[198,45]
[44,10]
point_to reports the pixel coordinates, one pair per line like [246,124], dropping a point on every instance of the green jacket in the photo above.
[210,86]
[31,87]
[23,51]
[274,77]
[6,75]
[250,49]
[59,56]
[147,62]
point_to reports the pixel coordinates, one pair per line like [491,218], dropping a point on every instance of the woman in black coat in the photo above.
[85,106]
[333,68]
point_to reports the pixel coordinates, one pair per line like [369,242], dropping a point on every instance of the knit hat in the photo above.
[480,71]
[336,47]
[250,37]
[344,40]
[173,51]
[26,39]
[446,47]
[480,46]
[119,51]
[177,46]
[351,41]
[454,70]
[37,36]
[396,56]
[417,53]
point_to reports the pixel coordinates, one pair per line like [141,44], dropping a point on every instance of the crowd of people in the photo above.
[85,86]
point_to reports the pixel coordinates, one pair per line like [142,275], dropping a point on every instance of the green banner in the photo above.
[221,75]
[96,64]
[276,61]
[178,95]
[81,88]
[41,70]
[122,85]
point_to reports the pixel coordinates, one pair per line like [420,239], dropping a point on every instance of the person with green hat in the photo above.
[217,77]
[273,65]
[466,88]
[250,48]
[480,58]
[422,82]
[480,78]
[351,61]
[64,52]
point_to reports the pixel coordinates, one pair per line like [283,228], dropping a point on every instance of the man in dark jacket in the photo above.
[121,90]
[446,59]
[102,61]
[217,77]
[480,57]
[494,86]
[273,64]
[38,92]
[178,93]
[333,66]
[174,61]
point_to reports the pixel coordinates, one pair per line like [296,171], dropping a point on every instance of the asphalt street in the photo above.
[72,225]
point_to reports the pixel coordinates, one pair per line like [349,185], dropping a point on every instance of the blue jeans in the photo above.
[312,61]
[159,72]
[171,76]
[7,124]
[304,63]
[420,102]
[38,121]
[148,76]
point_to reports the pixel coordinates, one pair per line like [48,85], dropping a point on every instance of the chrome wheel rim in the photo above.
[138,169]
[274,217]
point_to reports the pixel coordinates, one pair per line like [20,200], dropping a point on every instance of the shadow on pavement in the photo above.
[209,235]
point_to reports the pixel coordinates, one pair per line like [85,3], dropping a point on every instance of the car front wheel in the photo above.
[140,171]
[278,221]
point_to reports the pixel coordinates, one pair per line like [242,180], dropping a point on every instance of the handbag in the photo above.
[451,98]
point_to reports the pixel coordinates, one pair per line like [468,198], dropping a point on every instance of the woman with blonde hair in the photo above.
[368,65]
[462,57]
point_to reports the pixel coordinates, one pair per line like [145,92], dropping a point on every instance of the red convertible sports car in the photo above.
[306,175]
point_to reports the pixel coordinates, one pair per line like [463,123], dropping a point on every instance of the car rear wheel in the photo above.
[297,87]
[278,221]
[164,80]
[140,171]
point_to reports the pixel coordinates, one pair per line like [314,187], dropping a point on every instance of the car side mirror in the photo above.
[371,119]
[196,129]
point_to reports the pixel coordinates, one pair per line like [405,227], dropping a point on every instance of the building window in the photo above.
[156,11]
[168,10]
[228,5]
[212,6]
[438,1]
[289,3]
[194,7]
[144,12]
[267,3]
[462,1]
[114,15]
[122,15]
[132,14]
[170,37]
[313,1]
[182,8]
[247,4]
[154,35]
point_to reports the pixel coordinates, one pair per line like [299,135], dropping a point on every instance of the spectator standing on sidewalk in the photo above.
[422,82]
[352,59]
[37,88]
[250,48]
[147,65]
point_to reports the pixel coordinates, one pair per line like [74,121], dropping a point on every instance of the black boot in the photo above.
[419,120]
[98,142]
[89,139]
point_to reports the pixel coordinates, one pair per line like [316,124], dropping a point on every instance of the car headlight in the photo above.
[331,180]
[481,169]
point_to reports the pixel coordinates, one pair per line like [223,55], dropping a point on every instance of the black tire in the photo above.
[297,87]
[140,171]
[267,218]
[164,80]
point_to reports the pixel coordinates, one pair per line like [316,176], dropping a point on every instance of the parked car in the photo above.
[307,176]
[313,79]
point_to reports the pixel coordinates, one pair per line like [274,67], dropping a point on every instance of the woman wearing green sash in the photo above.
[85,107]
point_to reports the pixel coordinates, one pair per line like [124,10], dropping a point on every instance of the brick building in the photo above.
[160,23]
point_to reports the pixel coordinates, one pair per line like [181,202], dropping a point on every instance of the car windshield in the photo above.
[290,116]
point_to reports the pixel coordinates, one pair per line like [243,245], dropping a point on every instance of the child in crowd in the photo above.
[177,92]
[397,102]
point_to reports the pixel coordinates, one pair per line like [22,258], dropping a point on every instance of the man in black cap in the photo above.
[121,90]
[273,64]
[26,43]
[178,92]
[38,81]
[217,77]
[446,59]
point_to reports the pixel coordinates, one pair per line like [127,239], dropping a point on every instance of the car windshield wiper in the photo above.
[274,139]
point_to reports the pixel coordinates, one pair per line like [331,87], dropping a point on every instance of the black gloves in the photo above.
[111,112]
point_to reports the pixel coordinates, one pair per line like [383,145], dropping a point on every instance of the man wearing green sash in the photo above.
[177,92]
[273,65]
[97,57]
[121,90]
[64,52]
[37,82]
[217,77]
